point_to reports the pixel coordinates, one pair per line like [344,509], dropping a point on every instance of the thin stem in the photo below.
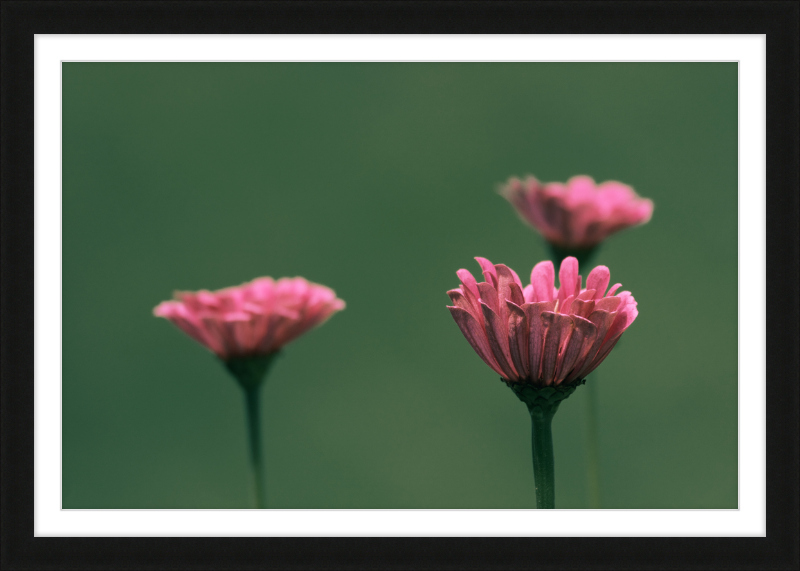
[543,459]
[251,372]
[592,447]
[585,258]
[253,405]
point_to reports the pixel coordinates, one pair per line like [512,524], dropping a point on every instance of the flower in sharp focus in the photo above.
[579,214]
[254,319]
[538,334]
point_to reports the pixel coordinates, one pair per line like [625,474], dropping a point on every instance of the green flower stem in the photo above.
[253,405]
[251,372]
[557,254]
[592,447]
[584,257]
[542,403]
[543,459]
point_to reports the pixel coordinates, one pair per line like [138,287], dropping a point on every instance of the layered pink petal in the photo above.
[516,278]
[538,334]
[508,286]
[528,293]
[579,214]
[579,343]
[543,279]
[488,295]
[518,339]
[608,303]
[476,337]
[598,280]
[470,287]
[582,308]
[256,318]
[626,313]
[460,300]
[223,341]
[559,330]
[514,191]
[187,322]
[507,289]
[568,280]
[489,272]
[471,293]
[600,357]
[602,320]
[566,307]
[497,333]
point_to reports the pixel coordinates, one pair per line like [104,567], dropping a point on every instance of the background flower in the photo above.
[578,214]
[539,334]
[256,318]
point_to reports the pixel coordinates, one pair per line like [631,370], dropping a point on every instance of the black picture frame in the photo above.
[780,21]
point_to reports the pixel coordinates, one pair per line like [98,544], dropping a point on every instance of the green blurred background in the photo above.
[379,180]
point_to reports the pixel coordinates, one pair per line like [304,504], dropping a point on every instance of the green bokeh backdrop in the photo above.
[378,180]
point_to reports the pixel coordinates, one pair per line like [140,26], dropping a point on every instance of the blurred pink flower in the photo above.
[578,214]
[256,318]
[539,334]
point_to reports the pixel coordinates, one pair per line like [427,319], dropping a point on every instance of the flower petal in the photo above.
[559,330]
[475,336]
[608,303]
[488,295]
[626,313]
[488,271]
[528,294]
[497,333]
[518,339]
[598,280]
[516,278]
[543,279]
[579,344]
[507,284]
[566,307]
[602,320]
[470,288]
[568,278]
[460,300]
[582,308]
[187,323]
[536,334]
[578,213]
[601,356]
[221,338]
[255,318]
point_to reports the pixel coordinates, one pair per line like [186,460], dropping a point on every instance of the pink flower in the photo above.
[256,318]
[578,214]
[539,334]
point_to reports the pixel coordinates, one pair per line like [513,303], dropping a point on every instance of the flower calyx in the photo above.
[545,399]
[250,371]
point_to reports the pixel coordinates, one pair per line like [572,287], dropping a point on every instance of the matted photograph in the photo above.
[399,285]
